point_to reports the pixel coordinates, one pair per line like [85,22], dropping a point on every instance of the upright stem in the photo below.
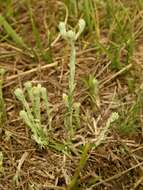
[84,157]
[71,84]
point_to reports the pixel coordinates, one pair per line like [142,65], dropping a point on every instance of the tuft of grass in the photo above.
[121,36]
[90,14]
[71,36]
[39,49]
[11,32]
[32,115]
[121,39]
[36,33]
[129,122]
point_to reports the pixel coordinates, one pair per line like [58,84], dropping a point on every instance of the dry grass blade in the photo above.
[22,74]
[21,161]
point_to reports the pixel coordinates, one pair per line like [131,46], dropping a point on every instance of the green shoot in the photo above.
[92,86]
[71,37]
[74,182]
[32,115]
[10,31]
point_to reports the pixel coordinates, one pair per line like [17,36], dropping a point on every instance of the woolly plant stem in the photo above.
[71,84]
